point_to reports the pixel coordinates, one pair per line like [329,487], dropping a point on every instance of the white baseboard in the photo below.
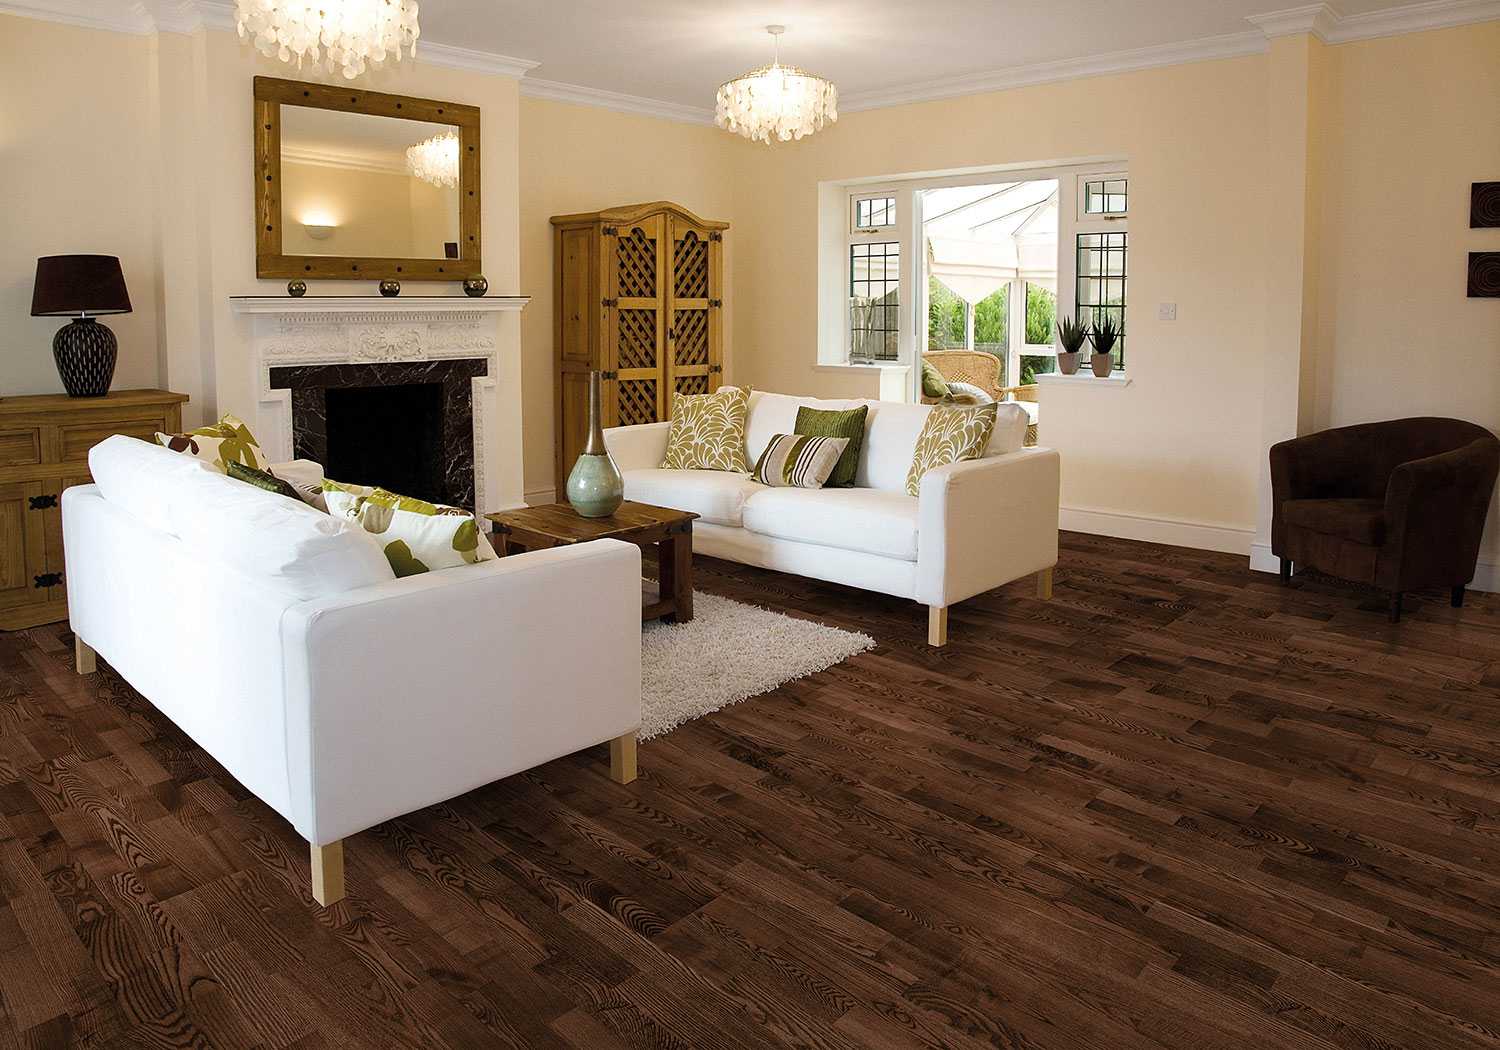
[1486,573]
[1172,531]
[539,497]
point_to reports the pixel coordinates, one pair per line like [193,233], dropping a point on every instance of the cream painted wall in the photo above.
[579,158]
[1182,442]
[1411,123]
[77,175]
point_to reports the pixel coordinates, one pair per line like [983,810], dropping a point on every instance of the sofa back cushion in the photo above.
[891,432]
[288,546]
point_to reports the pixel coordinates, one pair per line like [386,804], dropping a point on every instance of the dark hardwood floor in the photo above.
[1180,805]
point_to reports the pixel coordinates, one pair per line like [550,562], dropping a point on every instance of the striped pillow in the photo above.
[798,461]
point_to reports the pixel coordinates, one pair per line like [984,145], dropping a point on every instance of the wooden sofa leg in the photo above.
[1457,599]
[622,760]
[84,661]
[1286,570]
[1395,614]
[937,625]
[1044,585]
[328,873]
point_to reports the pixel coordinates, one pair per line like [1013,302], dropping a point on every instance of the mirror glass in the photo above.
[356,184]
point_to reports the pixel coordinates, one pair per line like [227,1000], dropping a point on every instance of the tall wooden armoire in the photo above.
[639,297]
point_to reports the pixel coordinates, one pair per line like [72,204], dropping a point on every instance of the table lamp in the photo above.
[81,287]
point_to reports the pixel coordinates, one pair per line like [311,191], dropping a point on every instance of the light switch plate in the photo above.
[1166,312]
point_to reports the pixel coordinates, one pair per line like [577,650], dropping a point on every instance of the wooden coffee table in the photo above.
[559,525]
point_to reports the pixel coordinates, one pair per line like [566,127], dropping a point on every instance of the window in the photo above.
[1105,196]
[874,300]
[1101,282]
[1101,251]
[874,213]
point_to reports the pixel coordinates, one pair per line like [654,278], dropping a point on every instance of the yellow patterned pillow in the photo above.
[219,444]
[708,431]
[950,435]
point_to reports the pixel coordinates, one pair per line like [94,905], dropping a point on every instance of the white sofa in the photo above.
[974,526]
[278,638]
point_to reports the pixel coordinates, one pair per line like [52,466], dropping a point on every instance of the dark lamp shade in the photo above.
[69,285]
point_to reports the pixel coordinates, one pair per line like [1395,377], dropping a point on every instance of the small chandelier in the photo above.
[776,101]
[349,32]
[435,160]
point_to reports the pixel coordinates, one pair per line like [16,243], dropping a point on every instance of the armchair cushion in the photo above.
[1360,520]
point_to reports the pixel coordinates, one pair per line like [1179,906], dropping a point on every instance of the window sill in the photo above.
[1116,381]
[889,366]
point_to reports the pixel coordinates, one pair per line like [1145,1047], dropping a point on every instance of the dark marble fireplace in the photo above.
[407,426]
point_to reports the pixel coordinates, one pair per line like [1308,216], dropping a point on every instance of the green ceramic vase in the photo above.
[595,487]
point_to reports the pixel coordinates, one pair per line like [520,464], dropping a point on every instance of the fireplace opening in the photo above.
[391,436]
[404,425]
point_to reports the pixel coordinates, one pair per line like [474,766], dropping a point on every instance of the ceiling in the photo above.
[679,51]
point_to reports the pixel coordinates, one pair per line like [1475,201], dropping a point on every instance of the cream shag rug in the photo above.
[729,652]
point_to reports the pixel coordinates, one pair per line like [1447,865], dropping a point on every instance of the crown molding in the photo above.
[1317,19]
[1413,18]
[473,61]
[1232,45]
[554,91]
[324,158]
[132,18]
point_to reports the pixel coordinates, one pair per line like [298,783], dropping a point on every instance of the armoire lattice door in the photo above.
[639,296]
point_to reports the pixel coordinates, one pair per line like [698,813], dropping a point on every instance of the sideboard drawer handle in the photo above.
[42,502]
[48,579]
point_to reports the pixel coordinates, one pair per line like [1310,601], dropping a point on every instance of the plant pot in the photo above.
[1102,364]
[1067,363]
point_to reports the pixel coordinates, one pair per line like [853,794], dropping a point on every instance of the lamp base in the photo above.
[85,353]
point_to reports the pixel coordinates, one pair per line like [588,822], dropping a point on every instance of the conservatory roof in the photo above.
[979,238]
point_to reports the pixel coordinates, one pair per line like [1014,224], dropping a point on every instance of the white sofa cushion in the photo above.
[716,496]
[139,477]
[891,439]
[285,544]
[772,414]
[867,520]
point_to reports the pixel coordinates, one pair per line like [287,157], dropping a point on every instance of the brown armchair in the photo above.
[1399,504]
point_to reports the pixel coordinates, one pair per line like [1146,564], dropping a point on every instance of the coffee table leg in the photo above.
[675,564]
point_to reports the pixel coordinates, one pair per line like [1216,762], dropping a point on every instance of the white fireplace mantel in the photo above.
[357,329]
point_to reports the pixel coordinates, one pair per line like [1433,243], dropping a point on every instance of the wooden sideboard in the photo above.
[44,448]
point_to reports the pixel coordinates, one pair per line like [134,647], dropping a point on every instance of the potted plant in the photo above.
[1071,334]
[1104,336]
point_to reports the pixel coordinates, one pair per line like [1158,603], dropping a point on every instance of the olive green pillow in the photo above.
[950,435]
[262,479]
[933,383]
[850,423]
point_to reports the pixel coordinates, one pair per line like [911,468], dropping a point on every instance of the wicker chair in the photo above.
[980,369]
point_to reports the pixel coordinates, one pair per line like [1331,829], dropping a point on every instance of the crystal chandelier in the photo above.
[776,101]
[435,160]
[347,33]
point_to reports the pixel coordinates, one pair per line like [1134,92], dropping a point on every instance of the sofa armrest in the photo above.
[639,447]
[1435,510]
[407,693]
[983,523]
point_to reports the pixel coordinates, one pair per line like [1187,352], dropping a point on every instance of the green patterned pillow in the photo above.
[262,479]
[708,431]
[798,461]
[225,442]
[415,535]
[950,435]
[850,424]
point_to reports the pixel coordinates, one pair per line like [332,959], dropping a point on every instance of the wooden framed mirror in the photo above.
[340,196]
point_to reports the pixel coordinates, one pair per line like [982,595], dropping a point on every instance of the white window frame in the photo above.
[837,203]
[1083,222]
[897,232]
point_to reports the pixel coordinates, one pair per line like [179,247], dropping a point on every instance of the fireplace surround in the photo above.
[305,349]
